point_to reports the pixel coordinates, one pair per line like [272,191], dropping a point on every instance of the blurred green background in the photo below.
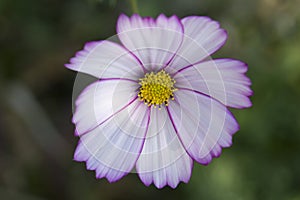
[36,135]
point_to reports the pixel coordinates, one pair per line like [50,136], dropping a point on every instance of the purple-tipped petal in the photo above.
[203,124]
[153,41]
[113,148]
[105,59]
[100,101]
[163,160]
[222,79]
[202,37]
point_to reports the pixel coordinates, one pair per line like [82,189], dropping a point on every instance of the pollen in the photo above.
[156,89]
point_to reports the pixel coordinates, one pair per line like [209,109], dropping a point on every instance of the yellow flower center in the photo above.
[156,88]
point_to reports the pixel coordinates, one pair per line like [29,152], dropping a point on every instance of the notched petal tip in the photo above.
[202,37]
[241,68]
[246,103]
[92,44]
[153,41]
[76,61]
[79,156]
[168,178]
[111,179]
[76,132]
[101,171]
[160,186]
[122,17]
[224,36]
[163,20]
[68,65]
[215,153]
[225,142]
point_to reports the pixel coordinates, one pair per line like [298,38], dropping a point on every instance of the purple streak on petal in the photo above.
[243,66]
[120,79]
[104,80]
[96,157]
[203,37]
[105,59]
[147,38]
[180,24]
[212,76]
[172,121]
[163,160]
[198,92]
[137,59]
[108,118]
[117,177]
[192,142]
[98,101]
[120,18]
[175,128]
[211,21]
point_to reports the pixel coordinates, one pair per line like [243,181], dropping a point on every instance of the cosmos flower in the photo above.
[159,102]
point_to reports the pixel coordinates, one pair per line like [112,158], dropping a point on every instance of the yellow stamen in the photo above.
[156,88]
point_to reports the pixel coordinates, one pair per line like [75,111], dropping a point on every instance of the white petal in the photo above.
[113,148]
[154,42]
[105,59]
[203,124]
[222,79]
[202,37]
[163,160]
[100,101]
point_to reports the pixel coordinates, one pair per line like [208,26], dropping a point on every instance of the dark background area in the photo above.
[36,135]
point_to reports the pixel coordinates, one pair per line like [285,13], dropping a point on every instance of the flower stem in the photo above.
[134,6]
